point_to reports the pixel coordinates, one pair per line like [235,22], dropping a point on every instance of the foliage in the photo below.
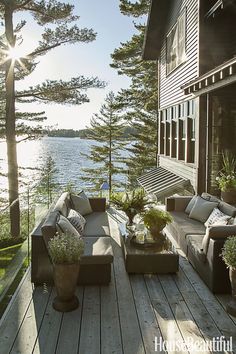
[227,176]
[26,225]
[229,252]
[107,131]
[140,100]
[6,256]
[47,185]
[65,248]
[59,27]
[132,203]
[154,217]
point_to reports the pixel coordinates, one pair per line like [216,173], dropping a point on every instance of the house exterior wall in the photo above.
[169,85]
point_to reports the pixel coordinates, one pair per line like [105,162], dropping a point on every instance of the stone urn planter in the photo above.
[231,306]
[229,257]
[65,280]
[229,196]
[65,252]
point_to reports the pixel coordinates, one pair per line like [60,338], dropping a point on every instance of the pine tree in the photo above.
[139,101]
[47,185]
[57,20]
[107,131]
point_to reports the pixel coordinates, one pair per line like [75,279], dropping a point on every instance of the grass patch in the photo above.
[6,256]
[5,237]
[13,287]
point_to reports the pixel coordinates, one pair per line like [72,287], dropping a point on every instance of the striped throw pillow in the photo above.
[77,220]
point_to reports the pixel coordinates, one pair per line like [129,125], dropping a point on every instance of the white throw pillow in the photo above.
[81,203]
[77,220]
[217,218]
[64,226]
[202,209]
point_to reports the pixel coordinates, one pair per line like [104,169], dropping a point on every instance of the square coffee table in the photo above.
[143,260]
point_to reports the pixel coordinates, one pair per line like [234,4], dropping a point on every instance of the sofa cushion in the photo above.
[81,203]
[77,220]
[217,217]
[227,209]
[194,243]
[190,204]
[49,226]
[64,226]
[98,250]
[202,209]
[63,203]
[185,226]
[97,224]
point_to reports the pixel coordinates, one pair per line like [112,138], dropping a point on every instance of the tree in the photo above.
[139,101]
[57,20]
[107,131]
[47,183]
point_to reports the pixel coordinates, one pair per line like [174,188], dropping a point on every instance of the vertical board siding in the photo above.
[170,91]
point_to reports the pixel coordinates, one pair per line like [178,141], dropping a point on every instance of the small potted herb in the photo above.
[155,220]
[226,178]
[65,252]
[229,257]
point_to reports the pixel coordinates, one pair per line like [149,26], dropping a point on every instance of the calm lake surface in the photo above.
[66,153]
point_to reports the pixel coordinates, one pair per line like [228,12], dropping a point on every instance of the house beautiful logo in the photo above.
[217,344]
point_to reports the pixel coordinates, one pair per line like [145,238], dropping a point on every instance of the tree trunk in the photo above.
[110,161]
[11,130]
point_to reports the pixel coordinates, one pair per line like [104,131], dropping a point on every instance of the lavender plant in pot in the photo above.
[65,252]
[229,257]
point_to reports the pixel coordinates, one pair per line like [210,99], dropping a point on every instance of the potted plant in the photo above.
[229,257]
[65,252]
[155,220]
[227,178]
[132,203]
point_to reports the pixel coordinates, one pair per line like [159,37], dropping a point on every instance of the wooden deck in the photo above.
[127,316]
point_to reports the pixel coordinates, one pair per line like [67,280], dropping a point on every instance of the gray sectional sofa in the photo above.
[95,263]
[202,245]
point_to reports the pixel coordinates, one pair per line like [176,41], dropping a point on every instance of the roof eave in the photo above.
[155,29]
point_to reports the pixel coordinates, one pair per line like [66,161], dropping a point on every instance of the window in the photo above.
[175,45]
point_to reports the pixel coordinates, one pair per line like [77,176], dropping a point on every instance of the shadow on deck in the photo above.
[131,315]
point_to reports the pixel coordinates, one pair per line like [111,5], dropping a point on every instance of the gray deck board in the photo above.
[122,318]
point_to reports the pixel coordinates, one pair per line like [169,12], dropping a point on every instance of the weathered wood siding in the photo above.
[180,168]
[170,91]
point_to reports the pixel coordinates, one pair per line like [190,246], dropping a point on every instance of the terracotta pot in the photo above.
[157,233]
[231,307]
[65,279]
[229,196]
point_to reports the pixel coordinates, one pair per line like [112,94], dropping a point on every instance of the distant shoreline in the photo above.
[84,133]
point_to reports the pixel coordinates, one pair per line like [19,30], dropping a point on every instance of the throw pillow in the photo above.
[77,220]
[202,209]
[210,198]
[190,204]
[217,217]
[64,226]
[81,203]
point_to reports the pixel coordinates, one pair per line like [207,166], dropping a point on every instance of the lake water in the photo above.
[66,153]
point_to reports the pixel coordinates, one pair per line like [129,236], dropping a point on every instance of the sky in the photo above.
[88,59]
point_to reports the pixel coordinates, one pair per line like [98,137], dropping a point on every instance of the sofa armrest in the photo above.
[217,232]
[220,273]
[178,203]
[98,204]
